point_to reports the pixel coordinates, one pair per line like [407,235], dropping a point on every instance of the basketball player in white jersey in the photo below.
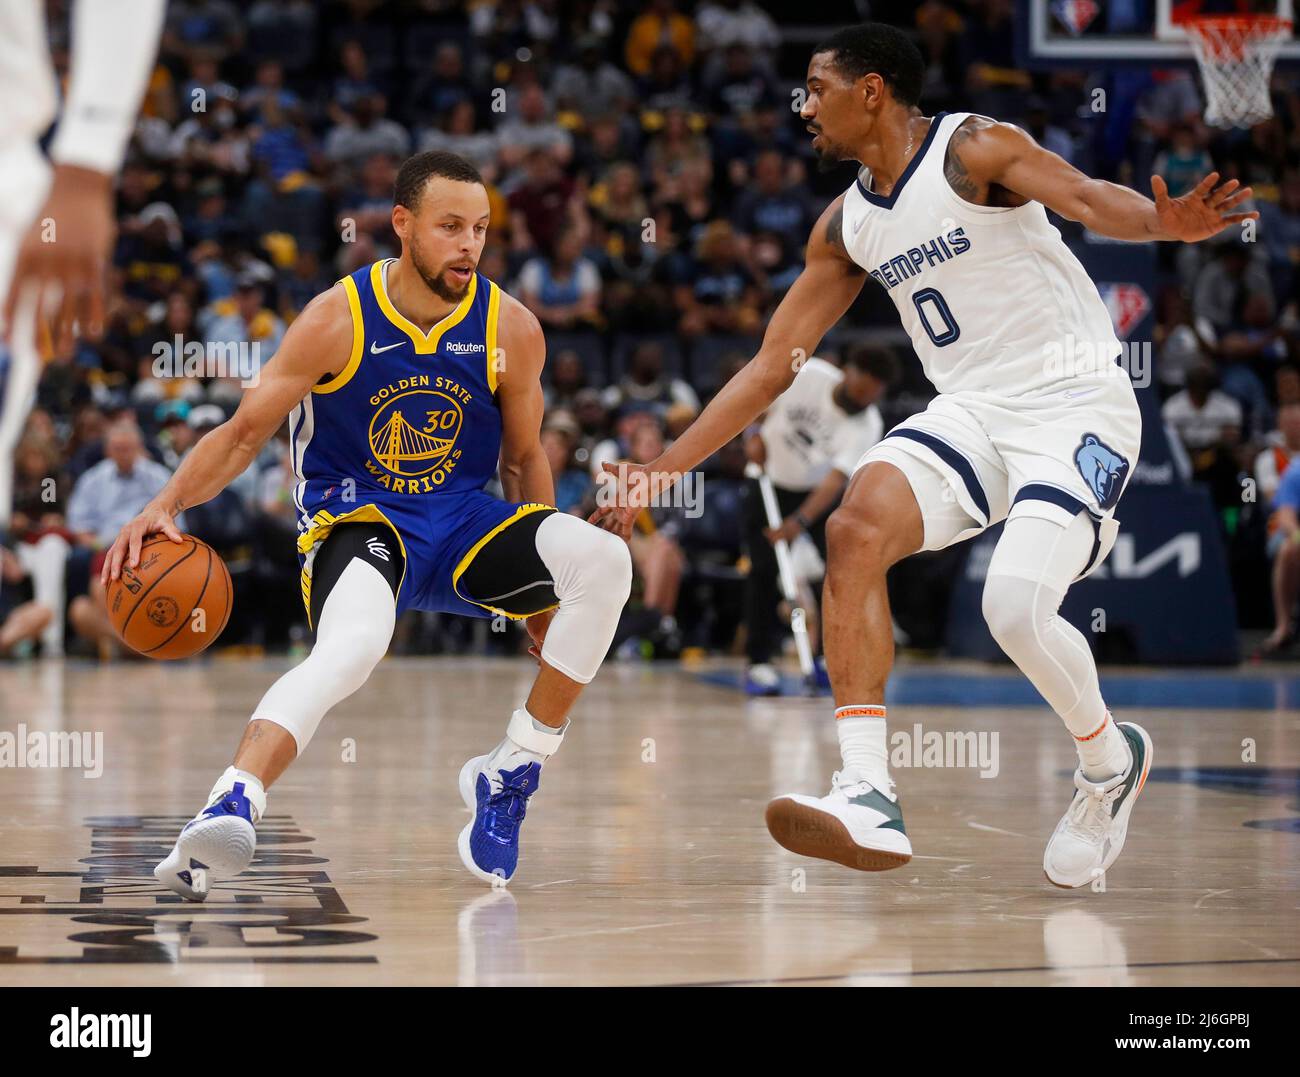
[56,224]
[1034,423]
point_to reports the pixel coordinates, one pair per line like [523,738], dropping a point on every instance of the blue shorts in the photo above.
[439,536]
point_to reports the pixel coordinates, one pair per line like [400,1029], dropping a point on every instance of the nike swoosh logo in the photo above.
[1081,392]
[857,225]
[387,347]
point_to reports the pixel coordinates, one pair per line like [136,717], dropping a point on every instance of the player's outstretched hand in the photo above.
[126,547]
[623,490]
[1204,211]
[64,255]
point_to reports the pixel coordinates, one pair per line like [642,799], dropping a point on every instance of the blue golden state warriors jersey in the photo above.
[408,433]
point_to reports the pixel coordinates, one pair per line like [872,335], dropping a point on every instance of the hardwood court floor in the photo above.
[645,860]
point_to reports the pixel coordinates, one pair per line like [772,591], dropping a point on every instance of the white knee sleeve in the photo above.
[1031,569]
[356,625]
[592,573]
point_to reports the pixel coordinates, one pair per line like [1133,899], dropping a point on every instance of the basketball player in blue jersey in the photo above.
[1034,424]
[410,382]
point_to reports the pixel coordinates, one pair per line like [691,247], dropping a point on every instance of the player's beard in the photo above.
[434,281]
[830,156]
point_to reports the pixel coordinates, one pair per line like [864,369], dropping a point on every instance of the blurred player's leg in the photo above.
[24,181]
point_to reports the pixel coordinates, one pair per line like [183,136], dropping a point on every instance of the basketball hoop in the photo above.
[1235,54]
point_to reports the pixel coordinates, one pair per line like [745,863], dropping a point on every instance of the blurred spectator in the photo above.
[363,131]
[657,555]
[1185,163]
[559,436]
[646,386]
[1284,548]
[104,500]
[568,379]
[591,85]
[541,207]
[722,294]
[529,128]
[658,29]
[562,288]
[458,133]
[810,442]
[1207,422]
[22,619]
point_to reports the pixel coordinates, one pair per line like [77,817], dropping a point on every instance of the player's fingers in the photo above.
[1224,190]
[133,545]
[92,308]
[117,555]
[108,571]
[1158,189]
[1235,200]
[1237,218]
[170,530]
[1206,185]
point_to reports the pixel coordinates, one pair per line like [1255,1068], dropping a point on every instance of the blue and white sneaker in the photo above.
[496,789]
[762,679]
[218,842]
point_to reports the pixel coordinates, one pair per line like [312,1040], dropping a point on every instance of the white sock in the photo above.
[861,731]
[526,739]
[252,789]
[1104,752]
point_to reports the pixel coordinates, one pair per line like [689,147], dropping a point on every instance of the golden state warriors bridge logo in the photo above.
[413,433]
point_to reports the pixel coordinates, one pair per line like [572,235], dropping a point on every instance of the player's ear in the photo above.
[402,218]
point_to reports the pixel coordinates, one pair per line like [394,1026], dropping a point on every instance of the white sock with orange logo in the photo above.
[1103,751]
[861,730]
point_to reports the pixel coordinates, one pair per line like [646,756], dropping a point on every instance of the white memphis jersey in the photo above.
[993,299]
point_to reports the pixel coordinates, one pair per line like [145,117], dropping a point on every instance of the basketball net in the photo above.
[1236,55]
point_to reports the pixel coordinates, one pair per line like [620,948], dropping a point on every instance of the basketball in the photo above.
[175,602]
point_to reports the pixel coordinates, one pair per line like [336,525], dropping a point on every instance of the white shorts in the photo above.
[974,458]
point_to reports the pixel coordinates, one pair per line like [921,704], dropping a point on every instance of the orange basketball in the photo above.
[175,602]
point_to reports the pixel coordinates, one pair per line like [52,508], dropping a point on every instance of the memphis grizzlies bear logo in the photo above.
[1102,468]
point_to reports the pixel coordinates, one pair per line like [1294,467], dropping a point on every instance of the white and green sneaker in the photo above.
[1091,833]
[855,824]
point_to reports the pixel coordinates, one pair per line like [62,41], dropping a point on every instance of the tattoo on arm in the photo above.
[954,168]
[835,229]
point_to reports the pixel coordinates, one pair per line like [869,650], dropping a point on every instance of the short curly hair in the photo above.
[886,50]
[418,170]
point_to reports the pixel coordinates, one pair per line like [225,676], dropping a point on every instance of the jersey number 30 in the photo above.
[938,315]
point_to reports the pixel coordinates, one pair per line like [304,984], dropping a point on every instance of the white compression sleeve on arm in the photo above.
[114,46]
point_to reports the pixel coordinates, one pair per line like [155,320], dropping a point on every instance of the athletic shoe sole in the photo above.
[810,832]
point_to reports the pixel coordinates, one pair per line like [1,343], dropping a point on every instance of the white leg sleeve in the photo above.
[1032,567]
[356,625]
[592,572]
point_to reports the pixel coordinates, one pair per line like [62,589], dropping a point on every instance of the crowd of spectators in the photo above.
[651,190]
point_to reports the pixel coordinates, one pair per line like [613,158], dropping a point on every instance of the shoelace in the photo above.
[1090,816]
[849,789]
[509,804]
